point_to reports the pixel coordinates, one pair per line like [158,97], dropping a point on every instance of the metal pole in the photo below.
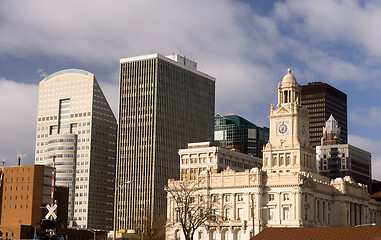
[252,206]
[115,196]
[53,182]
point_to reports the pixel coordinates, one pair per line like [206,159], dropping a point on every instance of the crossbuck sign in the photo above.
[51,212]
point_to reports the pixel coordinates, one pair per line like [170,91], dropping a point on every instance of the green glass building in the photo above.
[235,132]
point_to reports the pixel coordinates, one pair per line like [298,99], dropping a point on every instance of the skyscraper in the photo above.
[165,102]
[76,124]
[322,100]
[339,160]
[235,132]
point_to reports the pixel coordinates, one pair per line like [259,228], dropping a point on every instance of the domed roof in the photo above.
[289,78]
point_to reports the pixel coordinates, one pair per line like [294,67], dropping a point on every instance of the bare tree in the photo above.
[153,230]
[192,209]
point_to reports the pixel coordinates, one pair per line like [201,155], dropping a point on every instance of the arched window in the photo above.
[288,160]
[213,235]
[225,235]
[238,235]
[274,161]
[285,99]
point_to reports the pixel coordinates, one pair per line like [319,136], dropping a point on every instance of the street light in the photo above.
[253,214]
[117,186]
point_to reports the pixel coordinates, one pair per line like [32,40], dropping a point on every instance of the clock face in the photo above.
[304,129]
[283,128]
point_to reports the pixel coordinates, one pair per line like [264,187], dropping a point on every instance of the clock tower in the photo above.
[288,149]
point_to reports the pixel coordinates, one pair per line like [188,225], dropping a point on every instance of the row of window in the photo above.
[10,206]
[17,180]
[15,197]
[240,197]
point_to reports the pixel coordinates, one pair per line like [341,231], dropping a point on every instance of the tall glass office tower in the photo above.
[76,124]
[165,103]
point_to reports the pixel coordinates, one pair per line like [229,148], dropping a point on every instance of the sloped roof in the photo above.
[376,195]
[320,233]
[237,120]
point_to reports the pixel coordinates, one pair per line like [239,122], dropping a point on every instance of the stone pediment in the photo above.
[281,110]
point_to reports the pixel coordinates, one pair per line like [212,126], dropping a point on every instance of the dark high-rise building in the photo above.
[165,103]
[235,132]
[322,100]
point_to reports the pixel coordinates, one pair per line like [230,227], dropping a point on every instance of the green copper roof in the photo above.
[66,71]
[237,120]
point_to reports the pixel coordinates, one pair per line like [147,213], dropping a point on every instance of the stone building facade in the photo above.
[286,192]
[203,156]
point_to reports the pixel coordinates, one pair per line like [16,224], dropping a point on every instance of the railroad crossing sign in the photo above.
[51,212]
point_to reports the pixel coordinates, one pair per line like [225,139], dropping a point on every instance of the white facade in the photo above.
[203,156]
[76,124]
[287,192]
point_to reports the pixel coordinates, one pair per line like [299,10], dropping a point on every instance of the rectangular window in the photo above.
[227,214]
[306,214]
[227,198]
[271,213]
[271,197]
[286,197]
[239,213]
[286,213]
[239,197]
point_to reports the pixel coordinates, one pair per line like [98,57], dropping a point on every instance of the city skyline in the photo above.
[246,46]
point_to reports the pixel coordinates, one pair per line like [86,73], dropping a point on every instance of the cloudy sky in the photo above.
[247,46]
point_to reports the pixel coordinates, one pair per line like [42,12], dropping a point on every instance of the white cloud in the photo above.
[349,21]
[371,146]
[229,40]
[247,52]
[336,40]
[217,33]
[18,104]
[369,117]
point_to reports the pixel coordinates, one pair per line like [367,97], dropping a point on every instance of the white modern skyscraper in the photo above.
[76,124]
[165,102]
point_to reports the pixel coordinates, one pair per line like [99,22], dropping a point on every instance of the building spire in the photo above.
[331,132]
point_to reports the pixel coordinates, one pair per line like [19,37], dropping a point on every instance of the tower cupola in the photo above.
[289,91]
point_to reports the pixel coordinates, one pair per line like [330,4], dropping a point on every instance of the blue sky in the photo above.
[247,46]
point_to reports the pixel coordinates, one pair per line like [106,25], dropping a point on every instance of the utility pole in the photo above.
[252,211]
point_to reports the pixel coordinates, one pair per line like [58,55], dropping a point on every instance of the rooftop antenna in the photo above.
[19,157]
